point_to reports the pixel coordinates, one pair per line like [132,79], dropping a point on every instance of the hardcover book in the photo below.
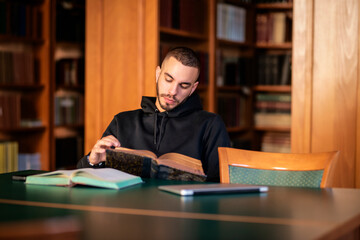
[102,177]
[144,163]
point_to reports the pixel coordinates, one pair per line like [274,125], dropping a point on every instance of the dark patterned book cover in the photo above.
[148,167]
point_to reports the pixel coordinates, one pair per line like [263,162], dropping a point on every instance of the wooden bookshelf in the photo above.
[273,51]
[25,42]
[68,78]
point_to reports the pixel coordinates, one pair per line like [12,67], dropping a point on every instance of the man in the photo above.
[174,121]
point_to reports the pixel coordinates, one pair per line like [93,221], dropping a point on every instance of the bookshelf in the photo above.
[68,36]
[247,47]
[272,87]
[24,85]
[234,68]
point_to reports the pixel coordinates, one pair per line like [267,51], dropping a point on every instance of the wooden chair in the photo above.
[277,169]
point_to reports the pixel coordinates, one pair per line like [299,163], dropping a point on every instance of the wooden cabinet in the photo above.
[24,82]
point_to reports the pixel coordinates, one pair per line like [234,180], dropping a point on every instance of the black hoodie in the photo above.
[186,129]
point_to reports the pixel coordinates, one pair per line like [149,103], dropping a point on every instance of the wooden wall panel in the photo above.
[151,45]
[302,76]
[116,42]
[93,72]
[334,98]
[357,162]
[45,147]
[122,59]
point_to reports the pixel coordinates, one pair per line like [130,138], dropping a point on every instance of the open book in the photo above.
[144,163]
[102,177]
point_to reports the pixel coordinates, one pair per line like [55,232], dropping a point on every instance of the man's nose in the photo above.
[173,89]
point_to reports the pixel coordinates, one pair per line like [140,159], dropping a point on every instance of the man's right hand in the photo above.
[98,152]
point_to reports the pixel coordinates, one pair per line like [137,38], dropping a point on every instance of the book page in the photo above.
[144,153]
[104,174]
[59,173]
[182,162]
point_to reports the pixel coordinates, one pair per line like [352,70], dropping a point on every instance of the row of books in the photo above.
[233,70]
[276,142]
[274,69]
[187,15]
[10,111]
[274,27]
[11,160]
[232,107]
[69,108]
[203,57]
[18,68]
[273,110]
[16,111]
[231,22]
[20,19]
[8,156]
[70,72]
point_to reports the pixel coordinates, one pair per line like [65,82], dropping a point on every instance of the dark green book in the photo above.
[143,163]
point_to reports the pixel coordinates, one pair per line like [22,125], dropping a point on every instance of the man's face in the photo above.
[175,82]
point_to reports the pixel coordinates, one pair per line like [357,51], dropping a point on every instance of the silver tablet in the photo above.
[213,188]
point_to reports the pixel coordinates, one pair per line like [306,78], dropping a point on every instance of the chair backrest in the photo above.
[277,169]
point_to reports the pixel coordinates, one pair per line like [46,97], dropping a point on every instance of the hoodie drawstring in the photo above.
[161,128]
[155,125]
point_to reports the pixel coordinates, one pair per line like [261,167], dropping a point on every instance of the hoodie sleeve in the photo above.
[216,136]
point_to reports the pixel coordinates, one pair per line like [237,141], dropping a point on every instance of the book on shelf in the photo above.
[144,163]
[20,19]
[274,69]
[186,15]
[272,27]
[10,110]
[233,68]
[273,110]
[69,108]
[232,108]
[70,72]
[8,156]
[165,13]
[101,177]
[231,22]
[18,67]
[276,142]
[29,161]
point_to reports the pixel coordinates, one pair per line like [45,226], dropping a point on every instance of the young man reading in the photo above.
[174,121]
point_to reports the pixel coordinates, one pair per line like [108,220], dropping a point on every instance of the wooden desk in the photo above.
[144,212]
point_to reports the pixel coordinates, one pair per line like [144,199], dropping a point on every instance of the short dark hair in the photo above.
[184,55]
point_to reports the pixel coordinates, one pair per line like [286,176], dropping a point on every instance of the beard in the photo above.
[166,106]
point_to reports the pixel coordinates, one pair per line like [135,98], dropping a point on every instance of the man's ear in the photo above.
[157,71]
[194,87]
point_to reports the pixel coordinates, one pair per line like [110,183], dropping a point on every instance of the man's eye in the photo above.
[184,86]
[168,79]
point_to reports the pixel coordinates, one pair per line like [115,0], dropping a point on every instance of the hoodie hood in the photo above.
[148,106]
